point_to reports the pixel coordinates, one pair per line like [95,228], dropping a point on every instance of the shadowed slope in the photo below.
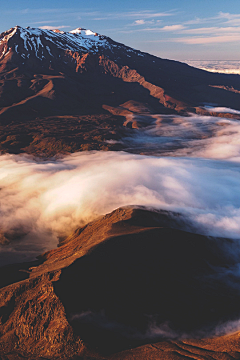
[114,284]
[152,278]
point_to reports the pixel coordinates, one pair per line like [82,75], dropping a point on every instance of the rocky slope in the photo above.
[129,278]
[85,80]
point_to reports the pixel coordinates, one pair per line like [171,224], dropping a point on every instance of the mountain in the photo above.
[68,91]
[131,277]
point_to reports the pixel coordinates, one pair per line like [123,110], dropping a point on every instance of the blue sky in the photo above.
[174,29]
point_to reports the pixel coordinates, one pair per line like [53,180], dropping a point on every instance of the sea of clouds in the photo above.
[221,66]
[42,201]
[186,136]
[189,164]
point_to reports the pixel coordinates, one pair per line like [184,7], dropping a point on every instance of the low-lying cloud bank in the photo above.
[219,66]
[192,136]
[42,201]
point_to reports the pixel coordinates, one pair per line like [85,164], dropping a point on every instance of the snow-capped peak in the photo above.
[46,44]
[41,41]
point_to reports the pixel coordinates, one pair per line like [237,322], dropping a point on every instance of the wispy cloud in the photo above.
[208,39]
[195,21]
[60,13]
[213,30]
[228,19]
[41,11]
[221,17]
[148,14]
[158,29]
[49,27]
[173,27]
[228,16]
[214,34]
[225,28]
[44,22]
[143,22]
[139,15]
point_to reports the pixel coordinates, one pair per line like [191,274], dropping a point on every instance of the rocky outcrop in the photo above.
[34,323]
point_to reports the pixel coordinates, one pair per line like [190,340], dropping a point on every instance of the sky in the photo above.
[173,29]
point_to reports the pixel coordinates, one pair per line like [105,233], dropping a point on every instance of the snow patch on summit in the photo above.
[83,32]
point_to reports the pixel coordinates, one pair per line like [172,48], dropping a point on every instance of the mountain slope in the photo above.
[46,50]
[45,74]
[113,284]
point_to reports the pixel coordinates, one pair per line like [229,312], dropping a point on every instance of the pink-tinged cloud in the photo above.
[213,30]
[173,27]
[209,40]
[48,27]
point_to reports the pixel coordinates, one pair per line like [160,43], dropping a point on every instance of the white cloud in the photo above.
[49,27]
[195,21]
[208,39]
[173,27]
[142,15]
[159,29]
[214,30]
[44,200]
[143,22]
[147,14]
[230,19]
[139,22]
[228,16]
